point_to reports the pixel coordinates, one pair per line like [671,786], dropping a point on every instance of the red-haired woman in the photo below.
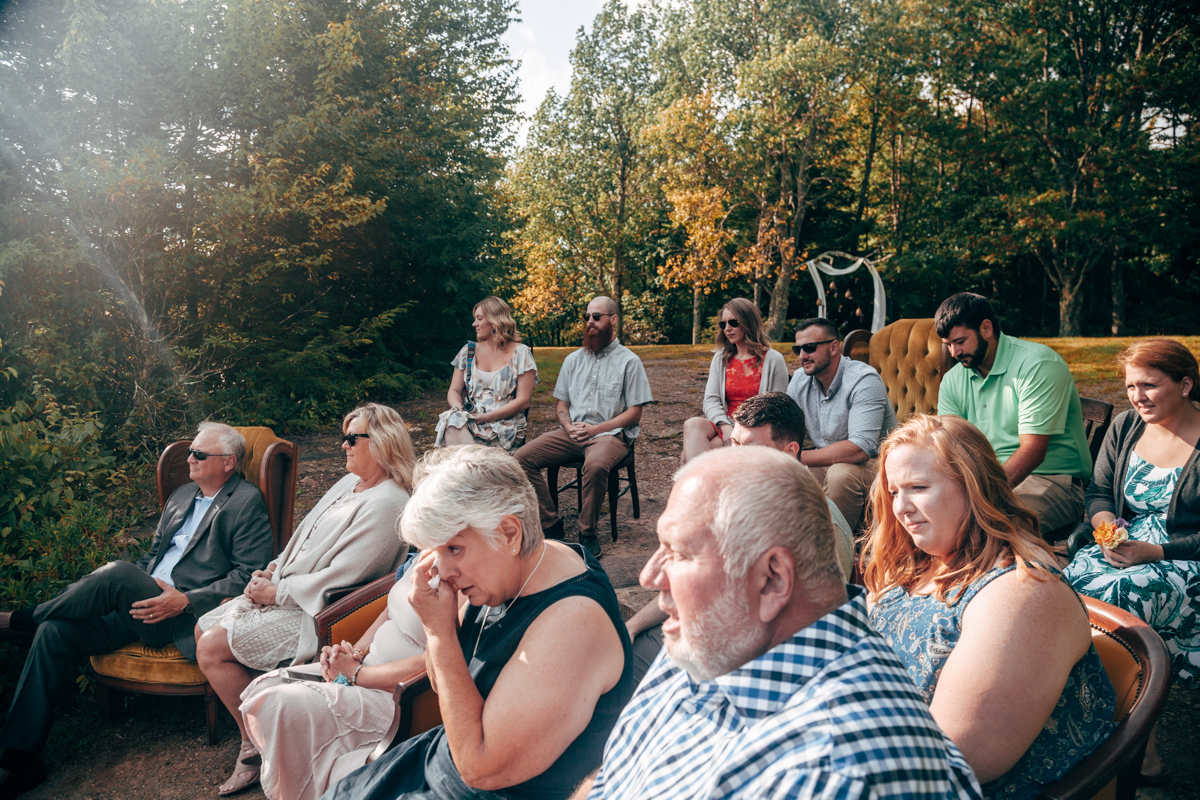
[963,590]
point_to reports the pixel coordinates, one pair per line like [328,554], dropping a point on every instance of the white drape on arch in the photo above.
[823,264]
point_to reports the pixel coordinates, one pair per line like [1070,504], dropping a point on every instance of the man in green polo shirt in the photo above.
[1022,397]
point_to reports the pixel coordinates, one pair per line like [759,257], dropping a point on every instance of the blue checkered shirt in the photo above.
[828,713]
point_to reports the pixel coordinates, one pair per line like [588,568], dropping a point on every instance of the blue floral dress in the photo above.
[1163,594]
[488,395]
[923,631]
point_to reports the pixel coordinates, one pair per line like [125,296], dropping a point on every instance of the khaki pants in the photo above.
[599,456]
[1056,499]
[847,486]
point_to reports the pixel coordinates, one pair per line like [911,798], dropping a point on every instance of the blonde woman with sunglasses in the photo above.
[349,538]
[744,365]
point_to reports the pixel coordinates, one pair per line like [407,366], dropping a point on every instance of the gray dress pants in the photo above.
[89,618]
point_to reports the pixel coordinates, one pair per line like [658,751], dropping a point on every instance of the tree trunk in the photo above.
[865,189]
[697,314]
[779,299]
[1070,309]
[1118,294]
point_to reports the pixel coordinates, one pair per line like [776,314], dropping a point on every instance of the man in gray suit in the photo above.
[213,534]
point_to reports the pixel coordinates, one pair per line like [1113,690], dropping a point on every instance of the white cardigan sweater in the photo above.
[338,547]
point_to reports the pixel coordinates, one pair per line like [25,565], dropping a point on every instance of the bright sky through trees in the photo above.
[542,41]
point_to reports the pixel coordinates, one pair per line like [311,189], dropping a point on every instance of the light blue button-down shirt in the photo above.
[179,541]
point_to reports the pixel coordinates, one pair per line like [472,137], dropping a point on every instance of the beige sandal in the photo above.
[245,771]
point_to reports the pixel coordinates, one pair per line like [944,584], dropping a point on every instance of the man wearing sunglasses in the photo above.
[214,532]
[847,412]
[601,389]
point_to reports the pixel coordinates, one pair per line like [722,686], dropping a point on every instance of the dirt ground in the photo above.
[156,747]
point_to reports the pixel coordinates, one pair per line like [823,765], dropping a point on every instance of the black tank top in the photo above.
[498,644]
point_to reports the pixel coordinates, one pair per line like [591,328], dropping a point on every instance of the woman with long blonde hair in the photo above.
[493,382]
[744,365]
[965,592]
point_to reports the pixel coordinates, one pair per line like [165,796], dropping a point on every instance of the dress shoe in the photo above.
[10,634]
[555,531]
[14,783]
[591,544]
[1160,778]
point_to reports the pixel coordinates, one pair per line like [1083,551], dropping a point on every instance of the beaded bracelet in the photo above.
[354,677]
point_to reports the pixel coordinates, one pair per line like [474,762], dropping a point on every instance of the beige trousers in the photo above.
[1056,499]
[847,485]
[599,456]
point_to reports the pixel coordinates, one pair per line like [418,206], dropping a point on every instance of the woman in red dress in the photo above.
[744,365]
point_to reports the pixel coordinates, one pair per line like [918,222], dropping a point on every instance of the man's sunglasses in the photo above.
[733,323]
[199,456]
[809,348]
[351,438]
[596,316]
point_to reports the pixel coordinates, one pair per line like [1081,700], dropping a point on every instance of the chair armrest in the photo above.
[405,694]
[356,601]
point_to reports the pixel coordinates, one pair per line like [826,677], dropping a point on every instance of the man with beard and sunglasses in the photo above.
[772,682]
[1022,397]
[601,389]
[214,532]
[847,411]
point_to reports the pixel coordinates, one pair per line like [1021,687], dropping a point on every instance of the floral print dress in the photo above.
[923,631]
[489,394]
[1163,594]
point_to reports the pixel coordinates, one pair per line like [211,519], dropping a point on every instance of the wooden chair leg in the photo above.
[106,699]
[633,492]
[210,712]
[614,493]
[552,484]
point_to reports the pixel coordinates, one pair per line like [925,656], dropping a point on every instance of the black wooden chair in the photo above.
[615,490]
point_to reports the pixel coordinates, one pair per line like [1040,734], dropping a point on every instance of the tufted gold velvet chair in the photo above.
[1137,663]
[271,465]
[910,357]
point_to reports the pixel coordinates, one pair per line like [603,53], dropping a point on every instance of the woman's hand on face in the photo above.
[436,606]
[1131,552]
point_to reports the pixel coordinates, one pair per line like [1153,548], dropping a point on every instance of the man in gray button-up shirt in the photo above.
[600,390]
[847,412]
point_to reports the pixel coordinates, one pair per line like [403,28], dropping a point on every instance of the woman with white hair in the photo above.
[348,539]
[493,381]
[531,673]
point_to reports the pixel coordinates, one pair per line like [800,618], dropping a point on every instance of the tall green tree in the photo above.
[1068,89]
[250,195]
[582,184]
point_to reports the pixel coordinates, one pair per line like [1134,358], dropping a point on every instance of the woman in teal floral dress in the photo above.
[493,382]
[1147,473]
[964,591]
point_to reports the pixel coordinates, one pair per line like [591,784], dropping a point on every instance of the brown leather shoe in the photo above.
[8,634]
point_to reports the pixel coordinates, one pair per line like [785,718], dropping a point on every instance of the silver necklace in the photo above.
[487,610]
